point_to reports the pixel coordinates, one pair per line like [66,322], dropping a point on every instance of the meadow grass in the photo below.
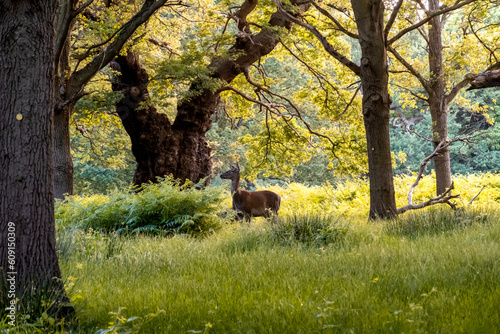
[240,280]
[323,268]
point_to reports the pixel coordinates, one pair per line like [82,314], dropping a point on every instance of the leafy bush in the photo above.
[165,206]
[310,228]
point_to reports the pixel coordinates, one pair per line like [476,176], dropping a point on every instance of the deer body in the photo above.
[251,203]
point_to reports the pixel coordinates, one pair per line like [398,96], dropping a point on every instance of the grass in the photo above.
[430,271]
[242,281]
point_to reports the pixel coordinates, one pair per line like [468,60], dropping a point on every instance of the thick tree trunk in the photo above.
[161,149]
[376,102]
[28,258]
[180,149]
[438,103]
[63,161]
[70,85]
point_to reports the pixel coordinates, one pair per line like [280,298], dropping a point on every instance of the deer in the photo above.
[261,203]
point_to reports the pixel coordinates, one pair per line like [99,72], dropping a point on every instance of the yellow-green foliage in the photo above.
[352,197]
[168,206]
[165,206]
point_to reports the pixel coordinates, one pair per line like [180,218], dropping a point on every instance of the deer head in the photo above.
[231,174]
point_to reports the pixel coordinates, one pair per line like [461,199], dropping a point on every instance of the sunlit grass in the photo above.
[242,281]
[323,268]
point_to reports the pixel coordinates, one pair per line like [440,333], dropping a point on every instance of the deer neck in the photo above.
[235,184]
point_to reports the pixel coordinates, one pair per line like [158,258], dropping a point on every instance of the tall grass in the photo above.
[439,220]
[327,271]
[241,280]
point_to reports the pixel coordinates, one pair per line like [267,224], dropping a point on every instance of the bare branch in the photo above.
[246,96]
[350,102]
[297,110]
[320,77]
[479,193]
[411,92]
[454,91]
[444,198]
[425,83]
[163,45]
[430,15]
[492,53]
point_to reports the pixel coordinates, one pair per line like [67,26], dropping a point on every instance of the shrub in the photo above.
[164,206]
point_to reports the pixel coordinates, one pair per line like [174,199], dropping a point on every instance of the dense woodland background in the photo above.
[299,70]
[113,138]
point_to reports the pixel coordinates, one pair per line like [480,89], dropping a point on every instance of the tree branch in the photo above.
[424,82]
[443,198]
[430,15]
[326,45]
[492,53]
[454,91]
[479,193]
[337,23]
[391,20]
[240,16]
[84,75]
[485,80]
[64,19]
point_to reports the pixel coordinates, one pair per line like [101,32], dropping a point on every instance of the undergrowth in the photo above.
[164,207]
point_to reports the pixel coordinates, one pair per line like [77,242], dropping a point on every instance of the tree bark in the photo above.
[28,257]
[63,161]
[374,75]
[64,104]
[486,79]
[438,103]
[180,149]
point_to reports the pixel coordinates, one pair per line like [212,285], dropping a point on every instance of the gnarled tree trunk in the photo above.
[162,148]
[376,103]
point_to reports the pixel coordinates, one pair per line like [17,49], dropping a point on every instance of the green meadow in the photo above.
[322,268]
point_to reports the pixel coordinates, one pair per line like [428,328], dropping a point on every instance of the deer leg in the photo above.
[239,216]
